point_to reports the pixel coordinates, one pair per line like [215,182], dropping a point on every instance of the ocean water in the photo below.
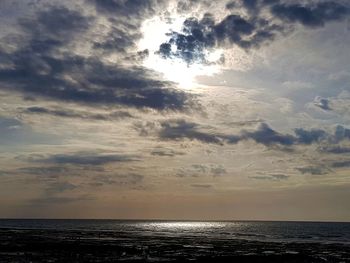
[175,241]
[273,231]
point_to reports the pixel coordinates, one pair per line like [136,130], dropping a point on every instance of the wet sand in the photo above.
[107,246]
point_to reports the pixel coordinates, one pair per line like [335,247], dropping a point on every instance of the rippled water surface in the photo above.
[259,231]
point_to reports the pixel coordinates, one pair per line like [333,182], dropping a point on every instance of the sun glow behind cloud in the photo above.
[175,69]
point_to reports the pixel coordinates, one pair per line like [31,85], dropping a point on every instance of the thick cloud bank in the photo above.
[40,61]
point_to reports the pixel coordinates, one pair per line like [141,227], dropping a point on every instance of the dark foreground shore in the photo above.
[106,246]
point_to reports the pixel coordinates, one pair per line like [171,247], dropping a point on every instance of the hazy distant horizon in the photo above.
[176,220]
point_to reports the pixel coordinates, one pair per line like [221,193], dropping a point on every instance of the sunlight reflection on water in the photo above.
[184,225]
[194,228]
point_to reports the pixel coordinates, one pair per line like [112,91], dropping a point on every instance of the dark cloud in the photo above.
[62,113]
[244,123]
[250,4]
[165,152]
[341,133]
[54,27]
[138,56]
[120,39]
[336,150]
[312,15]
[267,136]
[203,186]
[125,8]
[119,115]
[246,31]
[322,103]
[233,28]
[310,136]
[66,113]
[198,170]
[341,164]
[180,129]
[271,177]
[314,170]
[87,158]
[217,170]
[231,5]
[126,17]
[191,44]
[280,176]
[101,83]
[44,66]
[198,36]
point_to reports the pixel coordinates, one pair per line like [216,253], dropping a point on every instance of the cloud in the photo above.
[118,40]
[198,36]
[197,170]
[310,136]
[341,133]
[249,31]
[271,177]
[127,8]
[87,158]
[244,123]
[267,136]
[322,103]
[280,176]
[341,164]
[336,150]
[231,5]
[165,152]
[69,113]
[45,65]
[54,27]
[180,129]
[202,186]
[312,15]
[250,4]
[126,18]
[217,170]
[314,170]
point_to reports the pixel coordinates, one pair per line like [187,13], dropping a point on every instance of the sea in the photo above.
[44,240]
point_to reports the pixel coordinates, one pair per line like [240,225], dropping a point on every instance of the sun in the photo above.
[154,32]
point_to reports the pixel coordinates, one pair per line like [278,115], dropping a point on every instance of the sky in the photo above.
[191,109]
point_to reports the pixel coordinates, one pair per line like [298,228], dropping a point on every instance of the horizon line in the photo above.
[177,220]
